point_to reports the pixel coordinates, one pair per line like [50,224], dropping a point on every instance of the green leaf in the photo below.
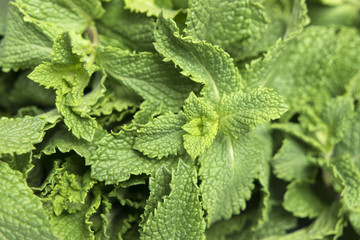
[244,20]
[69,87]
[322,67]
[162,136]
[228,169]
[65,142]
[345,169]
[26,92]
[291,162]
[4,5]
[148,110]
[296,131]
[350,143]
[279,221]
[302,200]
[336,115]
[152,79]
[152,7]
[328,223]
[263,144]
[180,215]
[242,112]
[354,218]
[340,15]
[201,61]
[22,163]
[27,42]
[81,125]
[68,226]
[22,216]
[159,187]
[115,160]
[70,15]
[119,27]
[201,127]
[222,229]
[18,135]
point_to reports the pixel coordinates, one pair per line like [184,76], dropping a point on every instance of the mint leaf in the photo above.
[3,14]
[153,80]
[241,112]
[162,136]
[201,127]
[120,28]
[159,187]
[169,219]
[74,15]
[227,170]
[115,160]
[349,176]
[201,61]
[33,222]
[291,162]
[18,135]
[27,42]
[152,7]
[69,88]
[244,19]
[301,199]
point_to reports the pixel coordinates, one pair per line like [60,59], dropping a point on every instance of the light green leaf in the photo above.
[328,223]
[291,162]
[350,143]
[327,65]
[69,193]
[296,131]
[27,42]
[244,19]
[354,218]
[69,87]
[201,127]
[4,5]
[22,216]
[18,135]
[152,7]
[348,173]
[180,216]
[115,160]
[228,169]
[116,98]
[222,229]
[148,110]
[119,27]
[159,187]
[336,115]
[65,142]
[70,15]
[152,79]
[162,136]
[22,163]
[263,144]
[242,112]
[302,199]
[69,226]
[340,15]
[279,221]
[298,18]
[195,107]
[201,61]
[81,125]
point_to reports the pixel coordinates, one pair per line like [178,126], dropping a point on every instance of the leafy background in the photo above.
[169,119]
